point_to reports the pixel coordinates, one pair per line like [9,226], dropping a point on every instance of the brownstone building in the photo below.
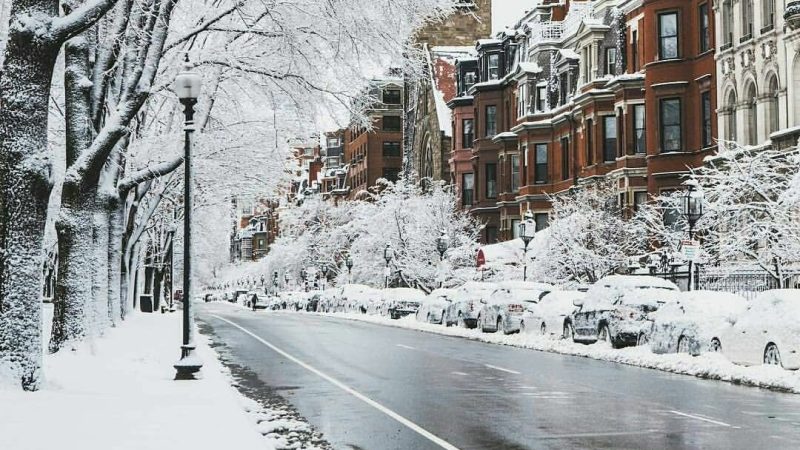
[615,89]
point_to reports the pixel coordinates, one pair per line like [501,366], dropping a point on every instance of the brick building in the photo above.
[255,230]
[376,153]
[564,100]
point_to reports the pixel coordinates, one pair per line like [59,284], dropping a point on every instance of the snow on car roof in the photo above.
[701,306]
[402,294]
[636,282]
[526,285]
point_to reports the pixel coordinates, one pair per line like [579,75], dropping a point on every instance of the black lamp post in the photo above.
[349,263]
[692,211]
[187,86]
[324,270]
[442,243]
[388,254]
[527,229]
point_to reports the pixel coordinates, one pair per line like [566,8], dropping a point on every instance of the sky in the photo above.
[507,12]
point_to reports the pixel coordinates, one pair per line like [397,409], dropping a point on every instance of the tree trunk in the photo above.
[115,275]
[24,192]
[158,276]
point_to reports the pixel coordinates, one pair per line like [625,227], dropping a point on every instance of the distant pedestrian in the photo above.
[253,301]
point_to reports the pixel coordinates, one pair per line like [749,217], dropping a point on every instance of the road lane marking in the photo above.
[460,374]
[502,369]
[413,426]
[406,346]
[704,419]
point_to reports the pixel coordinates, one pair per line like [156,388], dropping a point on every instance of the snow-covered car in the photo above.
[767,332]
[400,302]
[616,308]
[549,315]
[463,309]
[503,309]
[689,323]
[328,301]
[356,297]
[433,307]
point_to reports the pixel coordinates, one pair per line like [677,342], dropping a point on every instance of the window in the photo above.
[491,180]
[752,116]
[668,35]
[542,220]
[705,38]
[772,104]
[611,61]
[747,20]
[767,15]
[731,122]
[391,96]
[564,158]
[491,121]
[639,199]
[515,180]
[467,130]
[589,142]
[391,174]
[609,138]
[491,235]
[469,80]
[392,123]
[563,88]
[541,98]
[467,189]
[638,130]
[391,149]
[540,166]
[635,51]
[705,113]
[494,66]
[727,24]
[670,124]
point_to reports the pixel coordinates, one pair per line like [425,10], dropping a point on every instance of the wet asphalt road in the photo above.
[374,387]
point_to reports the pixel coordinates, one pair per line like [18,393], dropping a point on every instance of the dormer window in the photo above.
[494,66]
[469,80]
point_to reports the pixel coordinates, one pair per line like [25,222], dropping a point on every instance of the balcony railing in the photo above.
[792,14]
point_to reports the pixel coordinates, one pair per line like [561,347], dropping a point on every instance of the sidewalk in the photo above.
[119,394]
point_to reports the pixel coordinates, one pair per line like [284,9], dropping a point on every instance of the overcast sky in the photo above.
[507,12]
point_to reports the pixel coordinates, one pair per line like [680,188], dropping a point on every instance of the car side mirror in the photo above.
[578,302]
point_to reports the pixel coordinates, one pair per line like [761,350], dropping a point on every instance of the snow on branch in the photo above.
[148,173]
[83,17]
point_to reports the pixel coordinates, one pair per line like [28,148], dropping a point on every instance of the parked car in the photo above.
[767,332]
[313,301]
[355,297]
[615,309]
[690,322]
[550,314]
[433,307]
[503,309]
[400,302]
[463,309]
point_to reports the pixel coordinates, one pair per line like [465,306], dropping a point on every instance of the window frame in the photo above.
[490,76]
[399,96]
[390,154]
[662,38]
[385,128]
[662,126]
[704,27]
[540,168]
[705,119]
[487,122]
[609,148]
[490,193]
[589,139]
[639,144]
[564,142]
[516,179]
[467,138]
[464,189]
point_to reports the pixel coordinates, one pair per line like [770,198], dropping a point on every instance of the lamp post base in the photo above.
[188,365]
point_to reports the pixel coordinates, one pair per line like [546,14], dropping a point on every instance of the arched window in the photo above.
[752,115]
[730,127]
[772,107]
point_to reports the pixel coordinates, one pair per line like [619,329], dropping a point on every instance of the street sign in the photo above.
[481,258]
[689,248]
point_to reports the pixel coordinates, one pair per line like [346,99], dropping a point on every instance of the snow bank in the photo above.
[710,365]
[119,393]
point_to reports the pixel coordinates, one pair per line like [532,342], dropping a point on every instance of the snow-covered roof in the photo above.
[441,64]
[529,67]
[569,53]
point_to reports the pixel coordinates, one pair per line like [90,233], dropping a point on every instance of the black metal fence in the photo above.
[747,283]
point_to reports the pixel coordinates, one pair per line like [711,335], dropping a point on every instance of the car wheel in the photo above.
[500,325]
[568,332]
[683,345]
[772,356]
[641,340]
[543,329]
[715,346]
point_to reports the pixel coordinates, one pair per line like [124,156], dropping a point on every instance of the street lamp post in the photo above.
[187,86]
[442,243]
[349,263]
[324,270]
[388,254]
[527,229]
[692,211]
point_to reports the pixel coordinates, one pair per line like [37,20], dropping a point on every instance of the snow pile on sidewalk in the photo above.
[711,366]
[119,393]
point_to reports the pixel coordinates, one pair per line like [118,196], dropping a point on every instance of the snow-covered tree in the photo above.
[589,237]
[752,208]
